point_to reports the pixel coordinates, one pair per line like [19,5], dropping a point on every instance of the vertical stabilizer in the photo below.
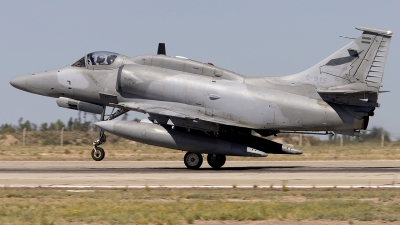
[372,67]
[359,64]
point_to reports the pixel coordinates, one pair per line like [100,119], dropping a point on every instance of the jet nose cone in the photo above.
[19,82]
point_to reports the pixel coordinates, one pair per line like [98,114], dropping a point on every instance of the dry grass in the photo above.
[142,152]
[45,146]
[166,206]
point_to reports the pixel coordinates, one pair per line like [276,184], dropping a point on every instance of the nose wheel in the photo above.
[193,160]
[98,154]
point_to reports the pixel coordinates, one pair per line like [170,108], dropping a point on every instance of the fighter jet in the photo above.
[204,109]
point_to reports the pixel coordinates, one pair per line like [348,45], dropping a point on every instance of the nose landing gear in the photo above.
[98,153]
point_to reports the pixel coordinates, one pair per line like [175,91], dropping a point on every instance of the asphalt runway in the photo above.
[241,174]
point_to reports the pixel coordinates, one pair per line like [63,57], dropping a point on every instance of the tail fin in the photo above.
[372,66]
[361,61]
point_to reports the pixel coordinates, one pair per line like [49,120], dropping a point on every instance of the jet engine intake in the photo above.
[79,105]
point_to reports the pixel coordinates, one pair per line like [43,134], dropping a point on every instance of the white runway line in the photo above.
[198,187]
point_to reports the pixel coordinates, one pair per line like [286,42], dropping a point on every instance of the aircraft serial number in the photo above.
[317,79]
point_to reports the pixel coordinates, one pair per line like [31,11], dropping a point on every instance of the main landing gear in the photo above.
[98,153]
[216,161]
[195,160]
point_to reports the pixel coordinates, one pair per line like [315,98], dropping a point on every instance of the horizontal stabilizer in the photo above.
[376,31]
[343,92]
[353,88]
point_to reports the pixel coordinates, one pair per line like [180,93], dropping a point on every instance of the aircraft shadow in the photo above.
[258,169]
[233,168]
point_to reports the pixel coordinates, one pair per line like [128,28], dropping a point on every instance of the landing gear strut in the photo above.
[98,153]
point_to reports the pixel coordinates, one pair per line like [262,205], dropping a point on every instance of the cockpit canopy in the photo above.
[100,60]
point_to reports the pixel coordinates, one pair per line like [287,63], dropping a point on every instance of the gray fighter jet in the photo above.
[200,108]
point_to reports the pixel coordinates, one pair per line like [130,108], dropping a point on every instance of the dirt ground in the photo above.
[269,222]
[291,222]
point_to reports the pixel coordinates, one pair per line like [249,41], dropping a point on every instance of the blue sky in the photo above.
[254,38]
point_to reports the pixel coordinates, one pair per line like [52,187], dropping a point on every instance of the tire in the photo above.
[99,154]
[216,161]
[193,160]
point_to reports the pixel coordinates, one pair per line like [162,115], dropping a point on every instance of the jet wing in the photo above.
[177,114]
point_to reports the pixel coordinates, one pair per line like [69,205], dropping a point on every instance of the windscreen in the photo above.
[101,58]
[80,63]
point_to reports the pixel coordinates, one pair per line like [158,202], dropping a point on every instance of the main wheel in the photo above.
[216,161]
[193,160]
[99,154]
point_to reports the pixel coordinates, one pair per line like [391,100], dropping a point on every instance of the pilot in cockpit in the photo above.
[97,58]
[100,60]
[111,59]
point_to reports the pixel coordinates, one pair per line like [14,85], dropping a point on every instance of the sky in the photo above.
[253,38]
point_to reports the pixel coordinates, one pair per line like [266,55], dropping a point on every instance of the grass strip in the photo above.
[142,152]
[45,145]
[165,206]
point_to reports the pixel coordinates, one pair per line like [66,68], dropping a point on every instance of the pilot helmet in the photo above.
[110,59]
[100,59]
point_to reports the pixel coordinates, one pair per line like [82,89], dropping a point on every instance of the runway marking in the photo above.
[243,175]
[79,191]
[194,186]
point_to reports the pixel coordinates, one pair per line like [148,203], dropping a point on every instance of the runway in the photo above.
[239,174]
